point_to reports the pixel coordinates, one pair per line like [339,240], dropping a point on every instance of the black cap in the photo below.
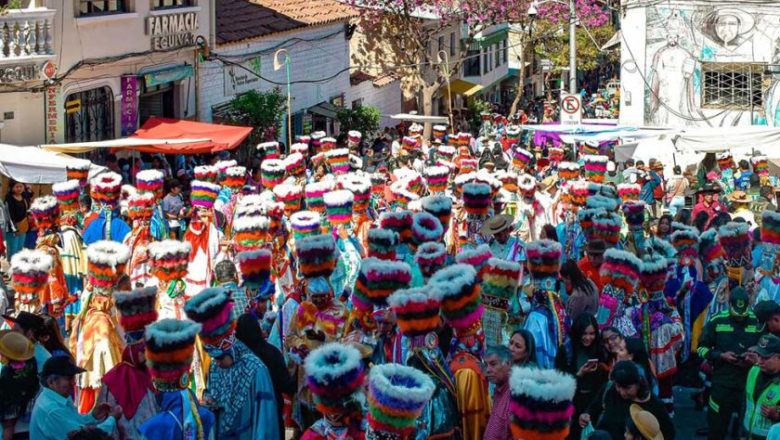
[709,187]
[26,321]
[768,345]
[738,302]
[765,310]
[60,366]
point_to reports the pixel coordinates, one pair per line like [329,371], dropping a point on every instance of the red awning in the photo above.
[222,137]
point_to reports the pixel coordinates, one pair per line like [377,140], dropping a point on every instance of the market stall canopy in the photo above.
[420,119]
[169,136]
[126,143]
[735,139]
[220,137]
[36,166]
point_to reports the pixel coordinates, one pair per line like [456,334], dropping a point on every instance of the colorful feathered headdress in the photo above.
[255,267]
[334,373]
[170,347]
[461,304]
[150,181]
[500,282]
[67,194]
[305,223]
[620,273]
[382,243]
[272,172]
[315,192]
[544,259]
[416,309]
[136,309]
[78,171]
[595,167]
[203,194]
[105,188]
[378,279]
[476,257]
[542,403]
[440,207]
[106,262]
[206,173]
[398,221]
[653,273]
[316,255]
[338,207]
[168,259]
[29,274]
[430,257]
[213,309]
[426,228]
[397,395]
[44,210]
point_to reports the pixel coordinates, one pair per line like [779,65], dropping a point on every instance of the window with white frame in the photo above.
[452,44]
[732,86]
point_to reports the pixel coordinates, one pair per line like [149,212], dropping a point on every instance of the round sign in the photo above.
[48,70]
[570,104]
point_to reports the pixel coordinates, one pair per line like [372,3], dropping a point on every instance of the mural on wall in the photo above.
[735,45]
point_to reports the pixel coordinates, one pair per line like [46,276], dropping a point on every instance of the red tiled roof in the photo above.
[360,77]
[310,12]
[238,20]
[384,80]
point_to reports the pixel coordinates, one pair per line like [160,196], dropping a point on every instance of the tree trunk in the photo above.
[520,82]
[427,92]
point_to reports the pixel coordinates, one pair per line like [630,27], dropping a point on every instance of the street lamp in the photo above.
[278,65]
[533,11]
[444,61]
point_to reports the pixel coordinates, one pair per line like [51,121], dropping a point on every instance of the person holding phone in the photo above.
[762,390]
[582,356]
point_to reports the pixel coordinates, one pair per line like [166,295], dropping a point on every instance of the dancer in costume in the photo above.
[338,209]
[531,215]
[95,340]
[204,238]
[503,244]
[547,320]
[238,382]
[168,261]
[54,296]
[542,403]
[129,384]
[620,274]
[256,286]
[170,345]
[105,223]
[29,274]
[152,182]
[462,310]
[72,250]
[735,239]
[658,325]
[500,284]
[713,260]
[335,374]
[140,210]
[768,271]
[417,314]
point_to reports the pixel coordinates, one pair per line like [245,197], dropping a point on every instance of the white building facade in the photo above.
[700,64]
[106,66]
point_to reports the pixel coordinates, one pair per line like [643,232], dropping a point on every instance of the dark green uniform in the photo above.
[724,333]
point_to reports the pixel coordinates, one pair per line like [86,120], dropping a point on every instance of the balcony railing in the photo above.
[26,35]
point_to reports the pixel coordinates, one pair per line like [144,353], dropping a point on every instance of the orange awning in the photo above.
[221,137]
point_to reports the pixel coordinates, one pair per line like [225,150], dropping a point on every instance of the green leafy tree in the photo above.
[474,113]
[260,110]
[364,119]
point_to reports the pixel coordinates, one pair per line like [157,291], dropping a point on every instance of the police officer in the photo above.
[762,391]
[724,343]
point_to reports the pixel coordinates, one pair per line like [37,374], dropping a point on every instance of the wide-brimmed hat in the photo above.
[739,197]
[646,423]
[548,182]
[496,224]
[26,320]
[709,188]
[15,346]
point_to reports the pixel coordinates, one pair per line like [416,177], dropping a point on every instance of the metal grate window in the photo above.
[165,4]
[98,7]
[732,86]
[90,115]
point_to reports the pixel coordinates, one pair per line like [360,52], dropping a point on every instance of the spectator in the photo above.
[664,228]
[17,206]
[498,366]
[522,346]
[54,414]
[683,216]
[51,338]
[172,205]
[610,408]
[762,390]
[583,293]
[18,379]
[30,326]
[676,188]
[642,425]
[583,357]
[226,277]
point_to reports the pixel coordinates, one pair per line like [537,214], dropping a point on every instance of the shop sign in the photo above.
[171,31]
[25,72]
[165,76]
[129,117]
[238,80]
[53,125]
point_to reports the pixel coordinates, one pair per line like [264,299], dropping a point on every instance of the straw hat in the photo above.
[15,346]
[496,224]
[739,197]
[646,423]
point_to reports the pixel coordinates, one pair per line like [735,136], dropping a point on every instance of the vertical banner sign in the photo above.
[129,86]
[54,131]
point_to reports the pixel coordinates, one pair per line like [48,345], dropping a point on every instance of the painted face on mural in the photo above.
[727,28]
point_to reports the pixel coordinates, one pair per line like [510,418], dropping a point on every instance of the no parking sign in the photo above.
[571,109]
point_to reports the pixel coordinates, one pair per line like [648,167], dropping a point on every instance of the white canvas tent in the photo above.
[36,166]
[83,147]
[420,119]
[734,139]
